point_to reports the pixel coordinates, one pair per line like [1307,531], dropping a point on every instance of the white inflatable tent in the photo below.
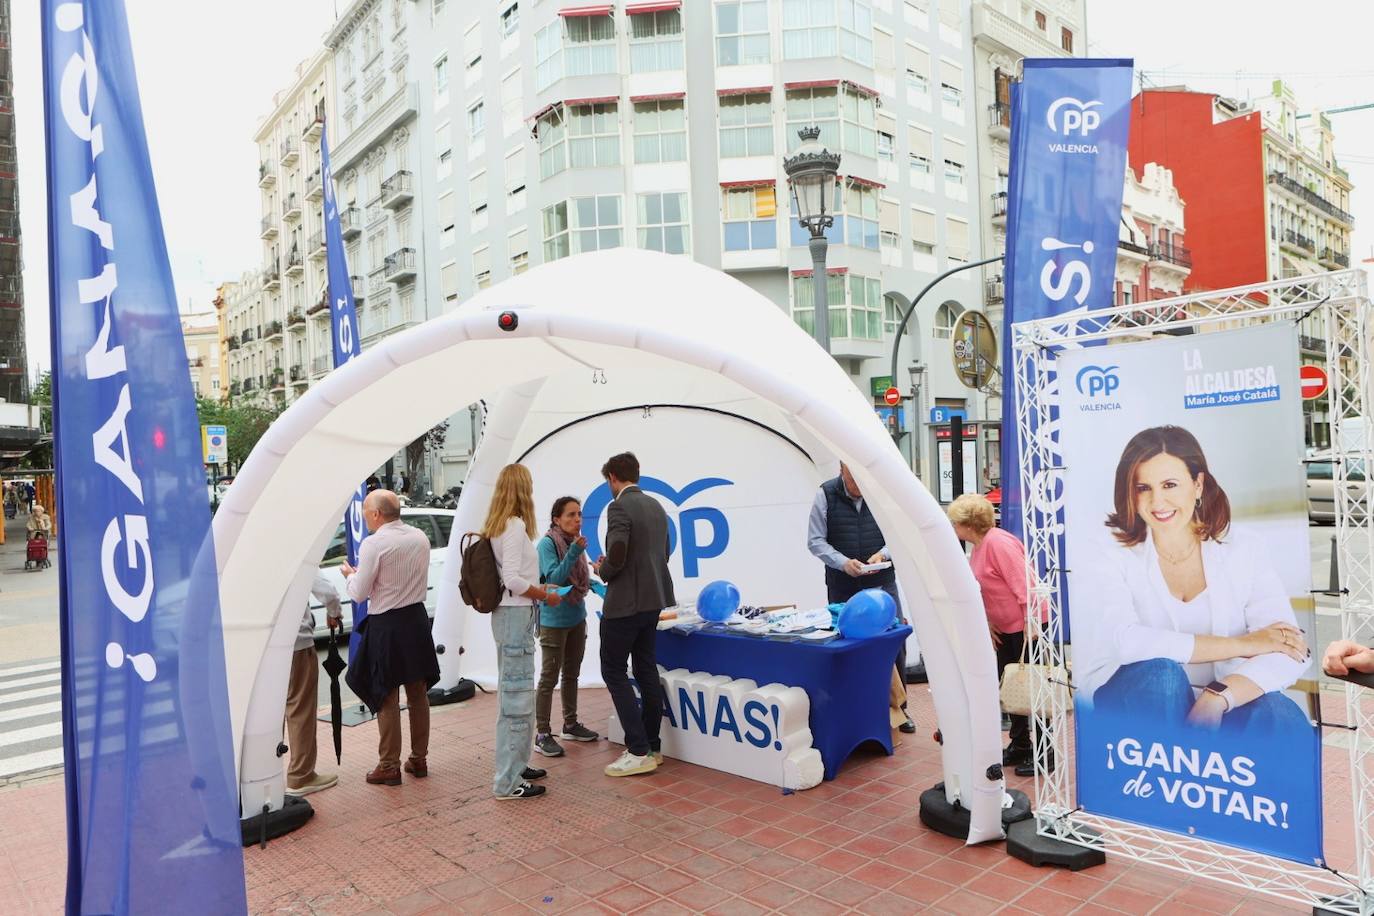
[601,315]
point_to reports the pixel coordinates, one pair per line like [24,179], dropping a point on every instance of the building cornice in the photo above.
[349,22]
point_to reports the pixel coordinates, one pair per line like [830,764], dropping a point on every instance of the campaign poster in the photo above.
[1187,558]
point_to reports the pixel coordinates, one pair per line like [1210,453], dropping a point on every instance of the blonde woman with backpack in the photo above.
[510,527]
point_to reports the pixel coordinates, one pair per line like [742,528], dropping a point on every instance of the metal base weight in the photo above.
[953,820]
[1030,847]
[463,690]
[916,674]
[356,714]
[268,825]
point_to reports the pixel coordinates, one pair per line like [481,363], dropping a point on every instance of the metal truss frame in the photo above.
[1342,301]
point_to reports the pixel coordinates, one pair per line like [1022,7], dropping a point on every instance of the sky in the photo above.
[207,73]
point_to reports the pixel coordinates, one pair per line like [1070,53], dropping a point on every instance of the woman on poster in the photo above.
[1191,621]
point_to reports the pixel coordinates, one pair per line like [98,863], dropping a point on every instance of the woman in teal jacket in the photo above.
[562,629]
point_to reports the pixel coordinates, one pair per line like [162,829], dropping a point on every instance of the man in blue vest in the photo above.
[843,535]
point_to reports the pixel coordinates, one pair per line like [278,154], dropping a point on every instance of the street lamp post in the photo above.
[811,175]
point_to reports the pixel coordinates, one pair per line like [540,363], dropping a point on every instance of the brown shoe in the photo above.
[384,776]
[417,767]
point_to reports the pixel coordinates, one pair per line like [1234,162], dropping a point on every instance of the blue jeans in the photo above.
[512,626]
[1159,687]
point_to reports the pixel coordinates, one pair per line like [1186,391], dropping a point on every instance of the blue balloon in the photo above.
[868,613]
[718,600]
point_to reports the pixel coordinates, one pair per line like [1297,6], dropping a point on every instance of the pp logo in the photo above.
[1067,114]
[695,548]
[1097,381]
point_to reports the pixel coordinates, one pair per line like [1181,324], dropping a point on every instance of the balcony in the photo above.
[1334,259]
[11,291]
[248,335]
[1298,242]
[999,121]
[272,330]
[295,317]
[298,376]
[1132,249]
[999,208]
[271,276]
[233,341]
[994,290]
[267,174]
[290,151]
[376,286]
[248,385]
[234,389]
[1314,345]
[316,245]
[294,264]
[1174,255]
[312,131]
[278,379]
[359,288]
[320,365]
[314,186]
[291,207]
[268,229]
[396,190]
[399,266]
[1311,197]
[351,222]
[320,306]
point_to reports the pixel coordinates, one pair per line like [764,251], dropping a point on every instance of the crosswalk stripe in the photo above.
[32,733]
[35,694]
[30,712]
[24,763]
[51,665]
[31,681]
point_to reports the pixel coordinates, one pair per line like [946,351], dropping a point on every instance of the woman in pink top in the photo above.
[999,564]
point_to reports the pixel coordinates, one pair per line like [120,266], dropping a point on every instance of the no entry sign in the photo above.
[1313,380]
[892,396]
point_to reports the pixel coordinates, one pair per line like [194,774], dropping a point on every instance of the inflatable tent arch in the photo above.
[580,314]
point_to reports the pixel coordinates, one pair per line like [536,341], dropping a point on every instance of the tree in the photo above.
[244,424]
[416,451]
[41,456]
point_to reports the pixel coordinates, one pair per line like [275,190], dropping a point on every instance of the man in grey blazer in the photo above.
[638,587]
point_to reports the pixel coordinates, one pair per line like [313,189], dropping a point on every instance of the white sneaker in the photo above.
[632,765]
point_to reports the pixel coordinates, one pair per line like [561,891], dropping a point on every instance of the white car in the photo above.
[437,524]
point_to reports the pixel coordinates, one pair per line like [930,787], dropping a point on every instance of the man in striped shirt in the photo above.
[395,648]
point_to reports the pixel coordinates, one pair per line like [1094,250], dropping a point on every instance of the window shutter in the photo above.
[923,225]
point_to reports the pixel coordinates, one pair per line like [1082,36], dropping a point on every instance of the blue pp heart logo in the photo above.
[694,549]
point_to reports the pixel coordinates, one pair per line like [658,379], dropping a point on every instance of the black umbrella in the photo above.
[334,666]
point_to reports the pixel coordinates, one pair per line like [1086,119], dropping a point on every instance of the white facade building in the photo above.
[271,342]
[1151,261]
[550,129]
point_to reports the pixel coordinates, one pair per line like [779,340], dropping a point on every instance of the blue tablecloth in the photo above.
[847,680]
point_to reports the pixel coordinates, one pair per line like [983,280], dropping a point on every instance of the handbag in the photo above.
[1019,679]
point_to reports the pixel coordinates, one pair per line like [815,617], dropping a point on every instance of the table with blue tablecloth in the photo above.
[847,680]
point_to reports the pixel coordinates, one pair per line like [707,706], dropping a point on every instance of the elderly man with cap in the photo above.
[395,648]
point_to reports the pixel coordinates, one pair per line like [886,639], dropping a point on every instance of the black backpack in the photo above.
[479,579]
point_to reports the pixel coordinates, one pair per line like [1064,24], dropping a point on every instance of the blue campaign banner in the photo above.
[343,322]
[1069,129]
[152,802]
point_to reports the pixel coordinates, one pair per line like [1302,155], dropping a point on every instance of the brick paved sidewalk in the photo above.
[682,840]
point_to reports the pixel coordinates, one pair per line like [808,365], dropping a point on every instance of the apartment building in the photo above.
[202,337]
[559,128]
[1267,198]
[276,318]
[14,360]
[1152,260]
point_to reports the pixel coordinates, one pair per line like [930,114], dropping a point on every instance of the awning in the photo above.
[543,111]
[652,6]
[860,88]
[829,271]
[599,9]
[750,183]
[866,182]
[748,90]
[598,100]
[659,97]
[812,84]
